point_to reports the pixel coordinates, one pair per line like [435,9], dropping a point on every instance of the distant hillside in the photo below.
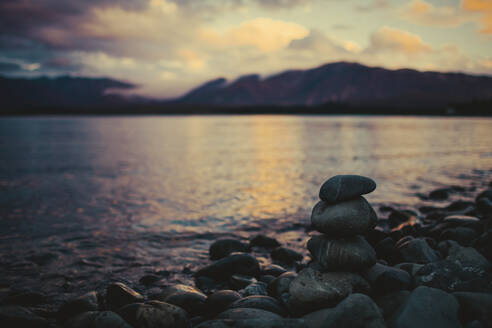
[62,91]
[345,83]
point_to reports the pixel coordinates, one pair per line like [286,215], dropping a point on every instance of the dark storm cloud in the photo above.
[9,67]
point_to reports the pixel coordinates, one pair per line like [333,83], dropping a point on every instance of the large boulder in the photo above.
[427,308]
[348,218]
[313,290]
[345,254]
[344,187]
[356,311]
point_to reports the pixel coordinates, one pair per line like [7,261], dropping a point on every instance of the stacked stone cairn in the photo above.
[340,253]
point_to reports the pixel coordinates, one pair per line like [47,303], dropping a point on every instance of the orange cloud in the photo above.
[482,7]
[391,39]
[424,13]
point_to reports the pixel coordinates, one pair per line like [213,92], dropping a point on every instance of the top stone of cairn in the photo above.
[344,187]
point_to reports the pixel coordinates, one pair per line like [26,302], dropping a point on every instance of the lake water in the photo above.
[96,194]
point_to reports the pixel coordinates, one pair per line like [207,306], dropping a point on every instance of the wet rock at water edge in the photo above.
[17,316]
[119,294]
[352,217]
[313,290]
[220,301]
[475,306]
[384,279]
[357,310]
[85,303]
[94,319]
[417,250]
[186,297]
[224,247]
[346,254]
[285,255]
[344,187]
[427,307]
[238,263]
[266,303]
[263,241]
[155,314]
[149,279]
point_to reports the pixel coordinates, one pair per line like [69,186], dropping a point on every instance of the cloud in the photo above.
[484,9]
[388,39]
[373,5]
[424,13]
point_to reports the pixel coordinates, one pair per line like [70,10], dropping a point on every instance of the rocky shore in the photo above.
[425,267]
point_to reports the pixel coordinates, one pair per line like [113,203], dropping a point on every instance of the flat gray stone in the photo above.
[344,187]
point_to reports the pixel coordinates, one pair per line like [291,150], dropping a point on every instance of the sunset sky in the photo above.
[170,46]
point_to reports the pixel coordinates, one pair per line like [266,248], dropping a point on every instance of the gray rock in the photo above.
[247,313]
[119,294]
[155,314]
[264,241]
[266,303]
[350,254]
[389,303]
[186,297]
[462,235]
[460,219]
[356,311]
[427,308]
[417,250]
[281,284]
[313,290]
[238,281]
[220,301]
[475,306]
[254,323]
[272,270]
[17,316]
[93,319]
[286,255]
[348,218]
[257,288]
[468,257]
[224,247]
[224,268]
[85,303]
[484,206]
[344,187]
[384,279]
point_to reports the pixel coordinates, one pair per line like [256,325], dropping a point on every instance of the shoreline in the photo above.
[423,223]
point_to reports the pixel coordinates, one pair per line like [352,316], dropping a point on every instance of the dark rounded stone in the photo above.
[155,314]
[487,193]
[347,254]
[25,298]
[475,306]
[85,303]
[17,316]
[385,249]
[398,217]
[224,268]
[266,278]
[257,288]
[247,313]
[440,194]
[280,285]
[264,241]
[459,206]
[384,279]
[417,250]
[254,323]
[344,187]
[93,319]
[220,301]
[462,235]
[427,308]
[484,244]
[186,297]
[273,270]
[224,247]
[286,255]
[149,279]
[266,303]
[390,302]
[357,310]
[348,218]
[312,290]
[238,281]
[119,294]
[484,206]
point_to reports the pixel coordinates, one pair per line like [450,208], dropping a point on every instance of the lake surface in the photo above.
[96,194]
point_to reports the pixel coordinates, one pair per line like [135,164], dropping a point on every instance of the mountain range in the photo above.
[342,84]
